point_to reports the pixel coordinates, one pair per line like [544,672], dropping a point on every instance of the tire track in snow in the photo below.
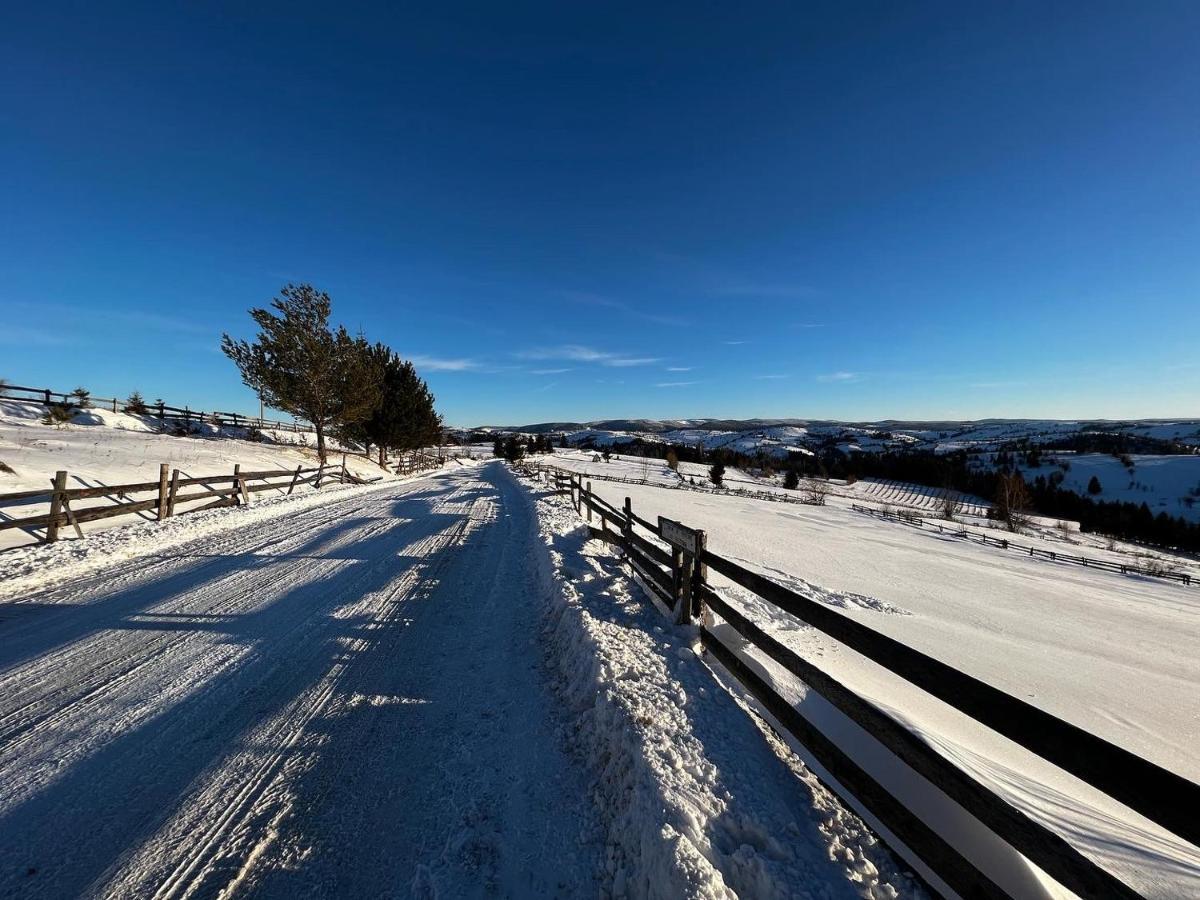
[70,689]
[142,662]
[254,798]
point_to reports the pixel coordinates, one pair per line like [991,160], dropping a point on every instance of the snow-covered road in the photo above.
[349,699]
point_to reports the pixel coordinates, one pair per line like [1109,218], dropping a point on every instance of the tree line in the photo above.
[363,393]
[1013,497]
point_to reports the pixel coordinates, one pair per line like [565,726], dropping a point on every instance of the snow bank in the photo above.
[699,798]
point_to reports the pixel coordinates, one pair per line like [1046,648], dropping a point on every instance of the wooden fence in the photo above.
[162,497]
[416,461]
[916,521]
[161,411]
[682,583]
[684,484]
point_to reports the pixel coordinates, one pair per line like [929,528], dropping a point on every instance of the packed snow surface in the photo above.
[699,798]
[348,701]
[427,689]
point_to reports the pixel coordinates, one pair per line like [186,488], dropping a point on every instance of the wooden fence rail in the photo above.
[1005,544]
[225,489]
[1156,793]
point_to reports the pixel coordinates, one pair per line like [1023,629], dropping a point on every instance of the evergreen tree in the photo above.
[404,417]
[513,448]
[301,366]
[717,473]
[58,414]
[672,460]
[791,480]
[498,447]
[135,405]
[83,397]
[1094,486]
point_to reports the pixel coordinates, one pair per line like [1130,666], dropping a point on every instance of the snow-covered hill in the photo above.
[100,447]
[1111,653]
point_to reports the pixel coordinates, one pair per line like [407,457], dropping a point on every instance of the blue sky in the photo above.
[570,211]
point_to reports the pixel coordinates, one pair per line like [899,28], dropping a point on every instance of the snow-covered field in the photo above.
[433,688]
[1169,484]
[1112,654]
[102,447]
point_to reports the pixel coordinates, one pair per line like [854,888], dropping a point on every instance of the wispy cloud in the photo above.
[37,337]
[443,364]
[720,282]
[587,298]
[733,343]
[625,362]
[775,290]
[998,385]
[770,377]
[840,377]
[545,387]
[580,353]
[810,324]
[549,371]
[131,318]
[675,384]
[679,368]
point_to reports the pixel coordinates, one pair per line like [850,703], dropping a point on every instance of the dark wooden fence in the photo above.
[916,521]
[161,411]
[683,483]
[415,461]
[157,500]
[1156,793]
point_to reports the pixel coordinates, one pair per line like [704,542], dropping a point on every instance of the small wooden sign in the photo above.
[679,536]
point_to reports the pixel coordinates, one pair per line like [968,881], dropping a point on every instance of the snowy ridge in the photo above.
[698,802]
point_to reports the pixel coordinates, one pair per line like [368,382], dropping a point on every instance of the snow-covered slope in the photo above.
[100,447]
[1113,654]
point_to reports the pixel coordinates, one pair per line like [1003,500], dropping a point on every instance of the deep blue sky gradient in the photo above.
[571,211]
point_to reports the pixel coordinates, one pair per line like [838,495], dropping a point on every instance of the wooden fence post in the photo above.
[683,593]
[676,580]
[292,486]
[56,499]
[162,491]
[174,492]
[700,578]
[237,483]
[589,506]
[628,529]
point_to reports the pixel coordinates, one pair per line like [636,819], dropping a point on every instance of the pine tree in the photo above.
[83,397]
[301,366]
[404,417]
[717,473]
[58,414]
[1093,486]
[135,405]
[513,448]
[672,460]
[791,480]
